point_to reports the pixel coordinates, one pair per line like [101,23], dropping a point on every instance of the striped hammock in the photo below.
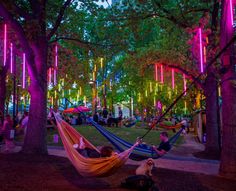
[140,152]
[165,126]
[88,167]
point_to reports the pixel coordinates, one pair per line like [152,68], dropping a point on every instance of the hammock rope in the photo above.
[191,84]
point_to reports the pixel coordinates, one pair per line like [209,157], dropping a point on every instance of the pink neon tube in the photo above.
[156,75]
[50,75]
[23,73]
[56,56]
[11,58]
[162,75]
[185,87]
[231,11]
[5,45]
[173,78]
[56,64]
[200,45]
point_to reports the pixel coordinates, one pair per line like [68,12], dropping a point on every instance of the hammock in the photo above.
[129,123]
[88,167]
[140,152]
[163,125]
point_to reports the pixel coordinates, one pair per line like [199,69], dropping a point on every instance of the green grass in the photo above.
[128,134]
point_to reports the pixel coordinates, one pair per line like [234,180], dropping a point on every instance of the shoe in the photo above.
[76,146]
[81,143]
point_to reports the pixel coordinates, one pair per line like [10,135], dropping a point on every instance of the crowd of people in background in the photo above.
[9,128]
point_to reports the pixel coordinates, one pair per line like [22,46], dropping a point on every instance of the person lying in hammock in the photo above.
[105,151]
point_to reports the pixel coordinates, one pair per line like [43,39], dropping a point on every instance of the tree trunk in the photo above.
[212,127]
[3,75]
[228,154]
[35,139]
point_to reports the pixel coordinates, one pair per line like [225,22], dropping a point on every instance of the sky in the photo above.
[104,3]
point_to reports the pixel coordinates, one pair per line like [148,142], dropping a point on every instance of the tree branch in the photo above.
[59,19]
[21,35]
[85,44]
[187,73]
[20,11]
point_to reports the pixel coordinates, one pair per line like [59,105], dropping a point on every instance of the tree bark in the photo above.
[228,154]
[3,74]
[35,139]
[210,90]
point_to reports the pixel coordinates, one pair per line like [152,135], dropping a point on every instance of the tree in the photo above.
[28,20]
[228,154]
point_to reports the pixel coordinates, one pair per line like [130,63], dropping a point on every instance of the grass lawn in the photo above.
[128,134]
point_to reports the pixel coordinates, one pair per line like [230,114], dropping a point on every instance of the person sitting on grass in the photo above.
[164,146]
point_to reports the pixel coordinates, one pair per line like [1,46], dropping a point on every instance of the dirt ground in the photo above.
[20,172]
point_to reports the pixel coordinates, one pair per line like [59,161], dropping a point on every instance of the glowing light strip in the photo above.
[162,74]
[56,64]
[49,76]
[231,12]
[173,78]
[184,79]
[5,45]
[156,72]
[185,107]
[200,45]
[56,56]
[101,62]
[23,72]
[11,58]
[150,86]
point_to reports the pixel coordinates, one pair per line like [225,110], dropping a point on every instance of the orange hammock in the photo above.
[178,125]
[88,167]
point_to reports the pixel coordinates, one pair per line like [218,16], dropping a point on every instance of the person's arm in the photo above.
[161,152]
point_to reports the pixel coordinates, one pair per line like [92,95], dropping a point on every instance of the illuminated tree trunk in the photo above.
[35,139]
[212,127]
[212,146]
[228,154]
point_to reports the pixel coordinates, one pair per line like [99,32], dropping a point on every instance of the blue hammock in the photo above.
[141,152]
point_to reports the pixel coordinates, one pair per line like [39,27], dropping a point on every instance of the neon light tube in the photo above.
[23,72]
[56,64]
[231,12]
[156,72]
[11,58]
[49,75]
[5,45]
[162,74]
[185,107]
[185,88]
[101,62]
[150,86]
[200,45]
[56,56]
[55,77]
[173,78]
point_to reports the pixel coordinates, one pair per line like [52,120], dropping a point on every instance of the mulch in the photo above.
[20,172]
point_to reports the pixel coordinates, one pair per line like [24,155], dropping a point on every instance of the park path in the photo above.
[179,158]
